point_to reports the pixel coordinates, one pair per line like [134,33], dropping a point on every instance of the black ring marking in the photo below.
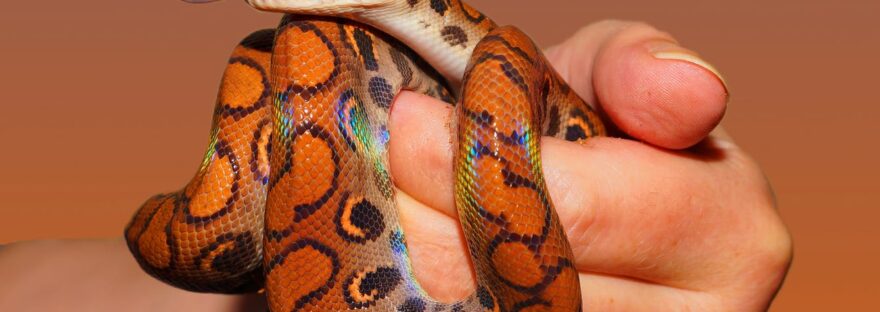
[237,113]
[304,92]
[365,48]
[362,216]
[376,284]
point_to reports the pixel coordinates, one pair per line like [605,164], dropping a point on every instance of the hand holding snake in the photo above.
[497,289]
[724,256]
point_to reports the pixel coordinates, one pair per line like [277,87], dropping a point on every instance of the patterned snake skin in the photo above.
[294,194]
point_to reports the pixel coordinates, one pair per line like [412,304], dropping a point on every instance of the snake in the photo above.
[294,197]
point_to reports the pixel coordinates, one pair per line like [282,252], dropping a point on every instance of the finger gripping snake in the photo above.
[294,194]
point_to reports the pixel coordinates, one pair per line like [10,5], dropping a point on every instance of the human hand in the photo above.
[651,227]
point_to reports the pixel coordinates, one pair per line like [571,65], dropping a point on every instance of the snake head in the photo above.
[319,7]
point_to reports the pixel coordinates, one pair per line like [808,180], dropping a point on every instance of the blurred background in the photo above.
[107,102]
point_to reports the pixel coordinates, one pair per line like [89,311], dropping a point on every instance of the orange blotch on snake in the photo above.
[214,189]
[310,153]
[303,184]
[302,272]
[517,264]
[313,63]
[153,244]
[242,86]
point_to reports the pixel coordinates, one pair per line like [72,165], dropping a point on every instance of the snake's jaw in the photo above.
[318,6]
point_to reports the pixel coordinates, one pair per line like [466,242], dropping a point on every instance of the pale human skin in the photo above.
[653,226]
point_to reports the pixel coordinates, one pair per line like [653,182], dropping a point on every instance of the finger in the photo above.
[614,293]
[574,58]
[650,87]
[630,209]
[440,264]
[443,269]
[437,249]
[420,152]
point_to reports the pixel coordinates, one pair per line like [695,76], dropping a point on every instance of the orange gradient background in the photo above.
[107,102]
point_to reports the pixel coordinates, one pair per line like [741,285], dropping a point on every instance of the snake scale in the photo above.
[294,195]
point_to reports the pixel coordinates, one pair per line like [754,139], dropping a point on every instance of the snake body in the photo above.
[294,194]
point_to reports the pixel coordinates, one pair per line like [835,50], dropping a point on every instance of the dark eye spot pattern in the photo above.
[365,289]
[358,220]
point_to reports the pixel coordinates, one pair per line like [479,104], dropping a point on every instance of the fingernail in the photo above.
[667,50]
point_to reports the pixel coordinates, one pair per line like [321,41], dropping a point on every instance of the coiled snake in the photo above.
[294,195]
